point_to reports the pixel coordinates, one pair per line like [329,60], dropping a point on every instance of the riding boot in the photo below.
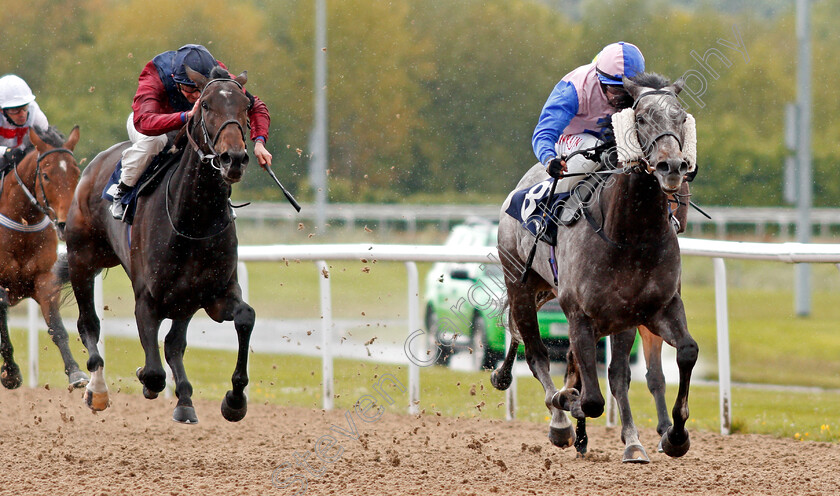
[117,208]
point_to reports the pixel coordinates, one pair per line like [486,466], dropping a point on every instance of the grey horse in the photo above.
[609,282]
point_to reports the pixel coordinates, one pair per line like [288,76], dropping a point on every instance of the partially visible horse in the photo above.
[35,196]
[611,280]
[180,253]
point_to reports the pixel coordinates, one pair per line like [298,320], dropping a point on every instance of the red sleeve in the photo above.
[153,115]
[260,119]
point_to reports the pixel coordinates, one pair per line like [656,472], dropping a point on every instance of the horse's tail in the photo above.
[61,269]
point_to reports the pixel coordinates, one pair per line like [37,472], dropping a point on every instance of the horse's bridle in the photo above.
[647,147]
[45,208]
[211,144]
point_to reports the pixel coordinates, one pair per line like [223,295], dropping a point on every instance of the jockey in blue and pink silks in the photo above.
[577,113]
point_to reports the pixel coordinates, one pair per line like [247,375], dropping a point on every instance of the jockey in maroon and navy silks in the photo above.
[165,99]
[158,111]
[579,108]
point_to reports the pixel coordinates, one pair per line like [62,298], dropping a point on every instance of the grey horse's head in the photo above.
[659,124]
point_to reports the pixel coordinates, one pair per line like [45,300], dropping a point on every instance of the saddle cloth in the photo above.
[528,206]
[149,180]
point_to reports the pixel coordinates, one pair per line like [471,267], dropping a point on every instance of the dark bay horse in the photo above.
[612,282]
[180,253]
[35,196]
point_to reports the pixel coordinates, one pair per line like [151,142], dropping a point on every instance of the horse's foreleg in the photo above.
[151,374]
[81,278]
[47,295]
[231,307]
[174,346]
[671,325]
[619,377]
[9,372]
[652,346]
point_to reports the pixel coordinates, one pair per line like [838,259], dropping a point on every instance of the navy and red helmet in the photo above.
[197,58]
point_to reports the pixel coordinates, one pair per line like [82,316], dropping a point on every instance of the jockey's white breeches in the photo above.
[137,157]
[567,144]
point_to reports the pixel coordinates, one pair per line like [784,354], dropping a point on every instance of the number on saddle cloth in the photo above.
[149,180]
[530,207]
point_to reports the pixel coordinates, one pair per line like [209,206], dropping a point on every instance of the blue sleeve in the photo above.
[557,113]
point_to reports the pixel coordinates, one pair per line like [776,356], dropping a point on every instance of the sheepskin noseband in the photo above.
[627,139]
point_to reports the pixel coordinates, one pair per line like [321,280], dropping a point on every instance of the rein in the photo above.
[204,158]
[45,208]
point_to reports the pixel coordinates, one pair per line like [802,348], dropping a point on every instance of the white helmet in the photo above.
[14,92]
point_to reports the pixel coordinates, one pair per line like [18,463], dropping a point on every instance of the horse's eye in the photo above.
[205,106]
[46,177]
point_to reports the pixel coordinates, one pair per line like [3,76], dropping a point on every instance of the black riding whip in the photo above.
[285,191]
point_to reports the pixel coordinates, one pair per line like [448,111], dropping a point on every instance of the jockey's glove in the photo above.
[13,156]
[555,166]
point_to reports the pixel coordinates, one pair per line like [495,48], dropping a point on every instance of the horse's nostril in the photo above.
[683,167]
[225,158]
[662,167]
[61,225]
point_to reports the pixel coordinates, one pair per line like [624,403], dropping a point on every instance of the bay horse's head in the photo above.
[56,174]
[222,118]
[660,127]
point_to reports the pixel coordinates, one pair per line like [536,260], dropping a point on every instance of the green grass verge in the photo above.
[290,380]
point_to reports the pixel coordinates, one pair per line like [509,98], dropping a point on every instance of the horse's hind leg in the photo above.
[81,278]
[231,307]
[174,346]
[524,315]
[652,345]
[47,296]
[670,324]
[502,377]
[9,372]
[572,383]
[151,374]
[619,377]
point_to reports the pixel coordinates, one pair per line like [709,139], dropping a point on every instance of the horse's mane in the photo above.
[51,136]
[651,80]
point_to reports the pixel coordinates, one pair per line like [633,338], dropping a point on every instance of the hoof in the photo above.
[184,415]
[659,447]
[563,437]
[10,376]
[635,454]
[96,401]
[150,393]
[565,399]
[677,449]
[233,410]
[501,381]
[78,379]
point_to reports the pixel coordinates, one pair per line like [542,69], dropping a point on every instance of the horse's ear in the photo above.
[242,78]
[632,88]
[197,77]
[73,139]
[678,85]
[37,141]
